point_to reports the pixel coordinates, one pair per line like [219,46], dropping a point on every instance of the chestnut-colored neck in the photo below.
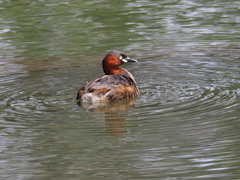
[112,70]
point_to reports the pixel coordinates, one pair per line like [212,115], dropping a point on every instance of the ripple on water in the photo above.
[37,93]
[187,87]
[176,123]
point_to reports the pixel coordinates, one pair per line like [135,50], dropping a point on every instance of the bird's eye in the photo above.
[124,56]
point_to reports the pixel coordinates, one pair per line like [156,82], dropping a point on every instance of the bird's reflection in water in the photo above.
[113,114]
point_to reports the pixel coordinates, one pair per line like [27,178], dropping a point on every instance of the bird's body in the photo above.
[116,84]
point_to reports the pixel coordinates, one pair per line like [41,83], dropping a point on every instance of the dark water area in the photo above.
[184,125]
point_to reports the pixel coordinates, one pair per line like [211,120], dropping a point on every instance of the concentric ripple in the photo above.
[186,119]
[188,87]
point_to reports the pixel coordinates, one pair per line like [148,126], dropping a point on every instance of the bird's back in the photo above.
[108,88]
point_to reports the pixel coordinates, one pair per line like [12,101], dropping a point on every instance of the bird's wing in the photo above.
[108,82]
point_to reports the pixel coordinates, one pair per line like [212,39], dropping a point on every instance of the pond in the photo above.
[184,125]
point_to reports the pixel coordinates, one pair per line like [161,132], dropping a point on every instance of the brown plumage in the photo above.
[116,84]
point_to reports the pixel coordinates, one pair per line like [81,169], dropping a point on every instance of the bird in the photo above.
[117,83]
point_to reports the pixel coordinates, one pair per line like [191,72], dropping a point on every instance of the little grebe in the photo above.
[116,84]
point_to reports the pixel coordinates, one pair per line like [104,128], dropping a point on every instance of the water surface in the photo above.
[185,124]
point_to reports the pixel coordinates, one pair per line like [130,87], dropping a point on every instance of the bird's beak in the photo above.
[127,59]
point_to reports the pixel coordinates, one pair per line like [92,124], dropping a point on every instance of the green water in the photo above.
[185,124]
